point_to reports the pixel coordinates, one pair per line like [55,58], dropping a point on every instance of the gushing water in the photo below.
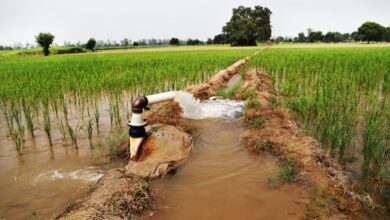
[219,108]
[89,174]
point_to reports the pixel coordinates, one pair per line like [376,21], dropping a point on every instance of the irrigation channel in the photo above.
[221,179]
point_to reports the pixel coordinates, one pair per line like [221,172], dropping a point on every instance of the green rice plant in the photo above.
[90,132]
[117,110]
[73,134]
[18,140]
[111,114]
[97,118]
[17,117]
[63,131]
[8,118]
[376,139]
[28,114]
[54,106]
[46,121]
[64,107]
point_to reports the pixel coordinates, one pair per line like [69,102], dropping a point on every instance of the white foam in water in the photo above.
[195,109]
[89,174]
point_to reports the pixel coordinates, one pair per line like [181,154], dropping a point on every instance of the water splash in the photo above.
[89,174]
[219,108]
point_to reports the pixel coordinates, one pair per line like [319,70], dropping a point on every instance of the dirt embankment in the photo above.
[207,89]
[331,193]
[121,195]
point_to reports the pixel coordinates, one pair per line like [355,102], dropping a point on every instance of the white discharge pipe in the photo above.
[161,97]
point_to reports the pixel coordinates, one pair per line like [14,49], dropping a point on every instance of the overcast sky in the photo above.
[78,20]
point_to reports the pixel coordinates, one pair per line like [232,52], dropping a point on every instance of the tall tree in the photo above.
[126,42]
[247,25]
[314,36]
[219,39]
[45,40]
[91,43]
[386,36]
[301,37]
[279,39]
[356,36]
[193,42]
[174,41]
[371,31]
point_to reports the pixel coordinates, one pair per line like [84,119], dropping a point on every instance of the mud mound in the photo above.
[163,151]
[207,89]
[118,195]
[168,113]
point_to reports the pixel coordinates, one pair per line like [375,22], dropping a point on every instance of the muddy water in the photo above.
[44,180]
[222,180]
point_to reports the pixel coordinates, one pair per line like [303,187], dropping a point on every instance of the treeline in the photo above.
[368,32]
[103,44]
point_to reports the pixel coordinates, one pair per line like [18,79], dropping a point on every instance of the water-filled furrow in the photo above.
[222,180]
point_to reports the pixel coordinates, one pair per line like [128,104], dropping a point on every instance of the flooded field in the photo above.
[222,180]
[44,180]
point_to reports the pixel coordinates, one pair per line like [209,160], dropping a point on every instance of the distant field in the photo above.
[130,49]
[329,45]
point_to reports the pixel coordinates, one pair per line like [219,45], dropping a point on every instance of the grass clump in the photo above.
[259,145]
[229,92]
[287,172]
[255,123]
[248,94]
[252,104]
[114,141]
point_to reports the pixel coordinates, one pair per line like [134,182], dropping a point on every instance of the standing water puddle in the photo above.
[221,179]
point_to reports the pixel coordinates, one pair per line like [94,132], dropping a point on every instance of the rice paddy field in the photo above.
[341,96]
[60,113]
[39,86]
